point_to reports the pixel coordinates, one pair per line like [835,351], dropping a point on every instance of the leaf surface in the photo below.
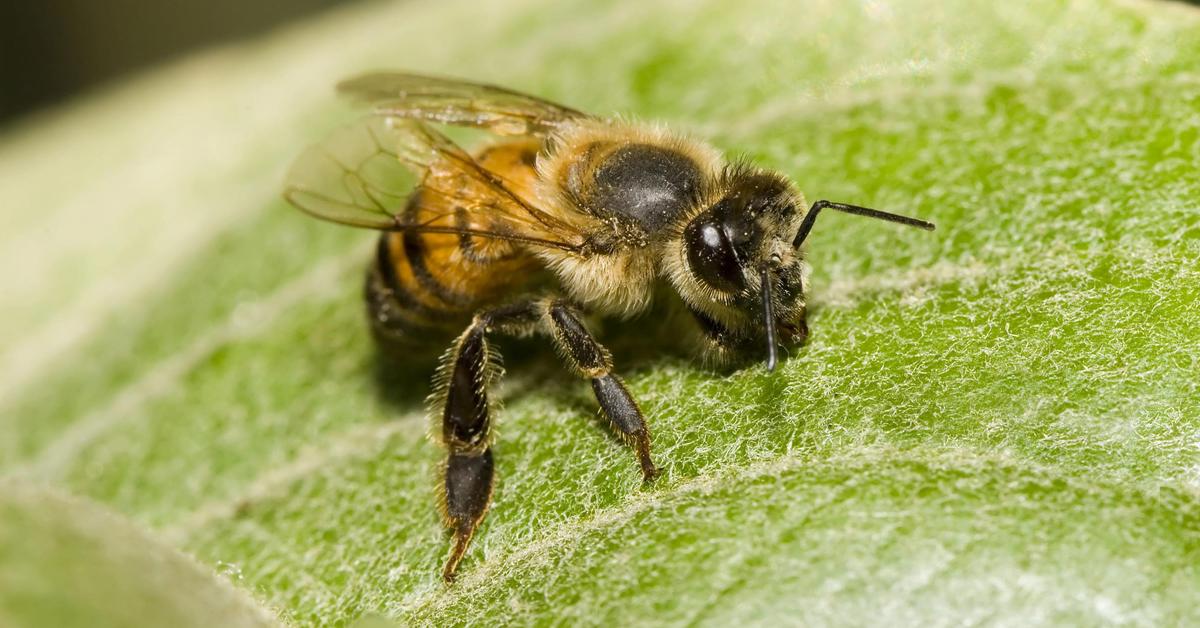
[64,562]
[993,423]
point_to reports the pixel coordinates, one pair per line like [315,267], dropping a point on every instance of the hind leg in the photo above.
[466,374]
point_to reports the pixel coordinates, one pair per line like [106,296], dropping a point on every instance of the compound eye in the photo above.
[712,257]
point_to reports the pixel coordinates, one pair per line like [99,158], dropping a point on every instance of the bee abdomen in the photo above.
[400,318]
[409,302]
[422,289]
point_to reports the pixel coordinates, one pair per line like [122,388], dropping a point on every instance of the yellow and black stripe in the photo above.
[423,287]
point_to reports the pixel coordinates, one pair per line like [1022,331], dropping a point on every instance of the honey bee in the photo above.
[565,214]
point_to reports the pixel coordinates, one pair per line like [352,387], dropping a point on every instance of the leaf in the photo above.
[64,562]
[994,423]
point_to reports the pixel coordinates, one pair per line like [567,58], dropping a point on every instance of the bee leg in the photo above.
[468,369]
[469,471]
[468,485]
[589,359]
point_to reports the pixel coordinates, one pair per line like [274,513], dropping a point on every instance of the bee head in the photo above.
[743,251]
[740,249]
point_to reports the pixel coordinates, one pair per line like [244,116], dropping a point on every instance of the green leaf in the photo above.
[993,423]
[64,562]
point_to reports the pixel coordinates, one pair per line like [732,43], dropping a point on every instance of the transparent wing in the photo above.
[352,177]
[364,175]
[448,101]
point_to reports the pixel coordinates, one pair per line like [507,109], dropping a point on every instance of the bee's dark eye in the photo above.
[712,256]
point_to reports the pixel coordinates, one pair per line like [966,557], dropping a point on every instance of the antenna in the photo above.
[811,218]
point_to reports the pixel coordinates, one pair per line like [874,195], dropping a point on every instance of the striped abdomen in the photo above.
[423,288]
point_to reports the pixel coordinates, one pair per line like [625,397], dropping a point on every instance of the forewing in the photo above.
[448,101]
[353,177]
[364,175]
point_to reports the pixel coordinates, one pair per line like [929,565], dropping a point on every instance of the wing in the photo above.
[450,101]
[364,175]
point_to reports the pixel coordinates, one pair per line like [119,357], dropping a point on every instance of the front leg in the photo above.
[464,378]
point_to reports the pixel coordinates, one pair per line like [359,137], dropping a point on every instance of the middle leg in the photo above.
[589,359]
[585,357]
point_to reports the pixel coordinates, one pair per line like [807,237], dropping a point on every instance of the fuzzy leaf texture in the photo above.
[995,423]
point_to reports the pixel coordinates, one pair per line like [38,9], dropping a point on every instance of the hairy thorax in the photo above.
[634,184]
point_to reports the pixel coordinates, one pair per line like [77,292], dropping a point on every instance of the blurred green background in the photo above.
[54,49]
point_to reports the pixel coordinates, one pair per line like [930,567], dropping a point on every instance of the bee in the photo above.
[563,215]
